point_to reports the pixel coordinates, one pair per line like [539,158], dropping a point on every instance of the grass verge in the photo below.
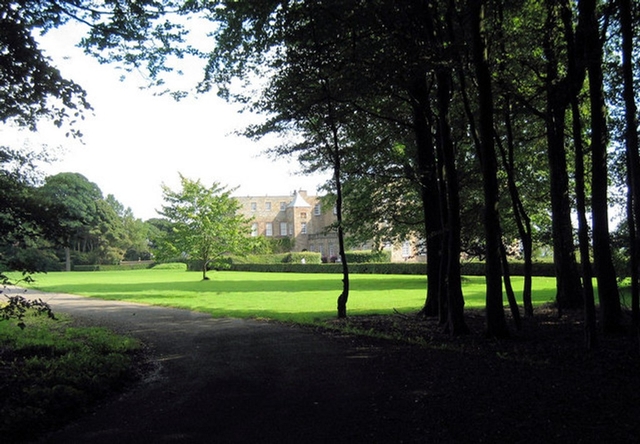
[289,297]
[52,371]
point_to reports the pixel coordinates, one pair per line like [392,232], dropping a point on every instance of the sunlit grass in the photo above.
[293,297]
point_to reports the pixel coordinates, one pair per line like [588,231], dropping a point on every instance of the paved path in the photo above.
[240,381]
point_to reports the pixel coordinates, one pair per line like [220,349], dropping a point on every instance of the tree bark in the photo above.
[496,323]
[427,178]
[344,296]
[523,222]
[569,288]
[576,75]
[67,259]
[453,280]
[633,158]
[604,269]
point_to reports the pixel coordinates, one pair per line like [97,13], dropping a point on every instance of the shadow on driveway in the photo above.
[240,381]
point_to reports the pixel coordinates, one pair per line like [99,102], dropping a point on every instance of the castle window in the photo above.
[254,230]
[303,228]
[269,229]
[283,206]
[267,206]
[283,228]
[303,215]
[254,206]
[406,249]
[317,210]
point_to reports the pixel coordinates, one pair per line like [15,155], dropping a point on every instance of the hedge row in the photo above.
[313,265]
[280,258]
[121,267]
[468,268]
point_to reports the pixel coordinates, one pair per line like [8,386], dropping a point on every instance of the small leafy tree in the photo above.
[206,224]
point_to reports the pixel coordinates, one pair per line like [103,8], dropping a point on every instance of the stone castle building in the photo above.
[299,217]
[303,219]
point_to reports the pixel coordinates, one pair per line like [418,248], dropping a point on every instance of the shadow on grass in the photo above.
[215,286]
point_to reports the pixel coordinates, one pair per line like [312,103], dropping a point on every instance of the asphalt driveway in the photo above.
[239,381]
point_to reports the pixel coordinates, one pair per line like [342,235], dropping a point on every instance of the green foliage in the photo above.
[86,268]
[170,266]
[262,245]
[16,308]
[358,268]
[358,257]
[29,224]
[206,225]
[54,372]
[280,258]
[468,268]
[32,88]
[93,231]
[260,258]
[306,257]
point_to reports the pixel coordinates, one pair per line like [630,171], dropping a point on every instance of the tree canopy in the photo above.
[206,225]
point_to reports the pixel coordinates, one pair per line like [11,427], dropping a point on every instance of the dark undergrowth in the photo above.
[52,371]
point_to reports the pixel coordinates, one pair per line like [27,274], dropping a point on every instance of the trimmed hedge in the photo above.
[308,257]
[121,267]
[372,268]
[170,266]
[279,258]
[366,257]
[467,268]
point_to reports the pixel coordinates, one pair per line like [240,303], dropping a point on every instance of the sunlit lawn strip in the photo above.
[297,297]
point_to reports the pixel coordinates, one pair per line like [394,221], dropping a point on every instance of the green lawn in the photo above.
[283,296]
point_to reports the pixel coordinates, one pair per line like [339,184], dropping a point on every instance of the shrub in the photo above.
[86,267]
[196,265]
[360,257]
[412,268]
[170,266]
[16,308]
[260,258]
[306,257]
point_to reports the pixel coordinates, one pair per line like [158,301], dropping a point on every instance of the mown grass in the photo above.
[51,371]
[292,297]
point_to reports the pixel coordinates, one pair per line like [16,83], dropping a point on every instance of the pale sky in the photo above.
[136,141]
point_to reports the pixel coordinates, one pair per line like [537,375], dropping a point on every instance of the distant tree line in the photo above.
[66,220]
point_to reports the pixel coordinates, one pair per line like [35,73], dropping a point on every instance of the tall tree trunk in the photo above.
[576,75]
[344,296]
[67,259]
[427,178]
[604,269]
[633,158]
[523,222]
[511,296]
[453,280]
[496,323]
[569,288]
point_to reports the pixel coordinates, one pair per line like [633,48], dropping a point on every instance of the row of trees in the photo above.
[451,107]
[461,122]
[64,220]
